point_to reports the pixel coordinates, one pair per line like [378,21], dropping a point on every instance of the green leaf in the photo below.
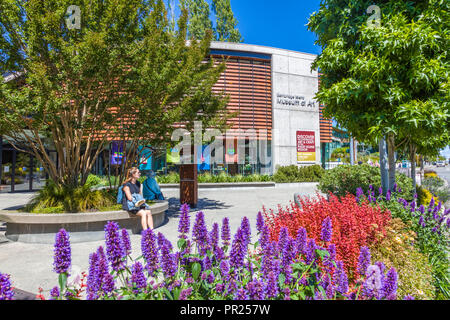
[62,279]
[281,279]
[181,244]
[196,269]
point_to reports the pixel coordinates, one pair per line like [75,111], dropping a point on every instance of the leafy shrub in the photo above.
[436,186]
[93,180]
[346,179]
[430,226]
[293,173]
[425,196]
[354,225]
[431,174]
[70,199]
[396,249]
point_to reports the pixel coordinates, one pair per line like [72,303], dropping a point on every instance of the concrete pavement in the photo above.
[30,265]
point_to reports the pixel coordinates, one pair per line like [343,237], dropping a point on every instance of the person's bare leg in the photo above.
[143,215]
[149,219]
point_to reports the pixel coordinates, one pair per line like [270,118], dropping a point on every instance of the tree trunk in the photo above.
[412,155]
[383,165]
[391,159]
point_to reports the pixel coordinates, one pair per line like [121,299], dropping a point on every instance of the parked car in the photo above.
[440,164]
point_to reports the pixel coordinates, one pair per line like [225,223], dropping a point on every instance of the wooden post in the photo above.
[188,184]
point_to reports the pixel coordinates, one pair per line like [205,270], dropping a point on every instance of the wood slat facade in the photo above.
[248,82]
[326,127]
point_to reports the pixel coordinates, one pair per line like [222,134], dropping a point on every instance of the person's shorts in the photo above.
[143,207]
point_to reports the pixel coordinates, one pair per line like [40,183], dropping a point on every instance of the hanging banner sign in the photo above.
[306,146]
[117,154]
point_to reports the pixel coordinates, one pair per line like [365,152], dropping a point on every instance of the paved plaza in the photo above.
[30,265]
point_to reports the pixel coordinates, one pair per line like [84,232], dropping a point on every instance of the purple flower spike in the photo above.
[327,229]
[6,291]
[271,286]
[259,222]
[388,195]
[341,278]
[138,278]
[408,297]
[238,249]
[359,192]
[114,250]
[373,284]
[328,262]
[380,191]
[245,226]
[395,187]
[108,284]
[226,232]
[301,240]
[283,238]
[167,259]
[185,293]
[264,238]
[199,231]
[213,237]
[62,252]
[241,294]
[125,240]
[54,293]
[255,290]
[364,261]
[92,285]
[390,285]
[149,250]
[184,223]
[310,251]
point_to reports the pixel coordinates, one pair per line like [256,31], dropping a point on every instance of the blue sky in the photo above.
[278,24]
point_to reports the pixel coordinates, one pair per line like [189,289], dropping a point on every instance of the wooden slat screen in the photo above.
[326,128]
[248,83]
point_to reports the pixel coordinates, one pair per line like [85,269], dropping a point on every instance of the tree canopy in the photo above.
[123,74]
[392,79]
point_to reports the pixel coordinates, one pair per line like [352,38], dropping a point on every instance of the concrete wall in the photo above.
[294,81]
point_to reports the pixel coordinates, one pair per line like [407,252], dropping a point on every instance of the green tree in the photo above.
[385,80]
[123,74]
[226,23]
[199,22]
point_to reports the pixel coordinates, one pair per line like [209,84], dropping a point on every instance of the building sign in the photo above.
[291,100]
[306,146]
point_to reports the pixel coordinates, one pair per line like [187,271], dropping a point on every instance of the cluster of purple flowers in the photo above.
[288,267]
[431,217]
[376,285]
[6,291]
[62,253]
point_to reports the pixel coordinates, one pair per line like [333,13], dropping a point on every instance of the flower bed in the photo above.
[212,265]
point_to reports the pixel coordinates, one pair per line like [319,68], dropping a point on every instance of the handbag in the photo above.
[137,203]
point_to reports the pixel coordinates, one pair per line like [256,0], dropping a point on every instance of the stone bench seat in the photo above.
[82,227]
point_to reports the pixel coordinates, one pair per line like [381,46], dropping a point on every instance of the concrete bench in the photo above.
[82,227]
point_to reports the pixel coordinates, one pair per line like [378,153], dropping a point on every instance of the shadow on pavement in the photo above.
[203,204]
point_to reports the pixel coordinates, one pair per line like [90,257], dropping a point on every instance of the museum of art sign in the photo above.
[291,100]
